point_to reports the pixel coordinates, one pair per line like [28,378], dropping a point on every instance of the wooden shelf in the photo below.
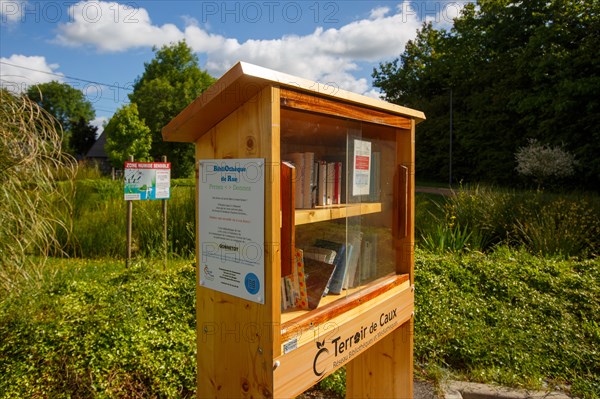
[335,305]
[314,215]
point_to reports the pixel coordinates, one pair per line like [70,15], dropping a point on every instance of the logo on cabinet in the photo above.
[321,350]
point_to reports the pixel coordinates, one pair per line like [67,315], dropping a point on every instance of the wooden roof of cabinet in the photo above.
[244,80]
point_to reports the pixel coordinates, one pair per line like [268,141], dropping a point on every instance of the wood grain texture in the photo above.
[385,370]
[242,82]
[306,102]
[236,339]
[331,345]
[240,343]
[321,214]
[341,304]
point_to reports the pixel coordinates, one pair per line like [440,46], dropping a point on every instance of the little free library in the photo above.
[305,236]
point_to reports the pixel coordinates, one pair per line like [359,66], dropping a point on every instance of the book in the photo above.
[339,273]
[289,292]
[301,280]
[321,254]
[322,184]
[337,184]
[355,241]
[317,275]
[330,182]
[288,177]
[297,159]
[368,260]
[307,178]
[284,300]
[315,183]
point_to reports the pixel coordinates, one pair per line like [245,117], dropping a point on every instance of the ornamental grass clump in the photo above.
[33,205]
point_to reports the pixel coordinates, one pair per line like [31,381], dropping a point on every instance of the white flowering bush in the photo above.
[542,162]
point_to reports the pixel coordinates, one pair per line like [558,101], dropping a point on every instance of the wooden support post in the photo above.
[164,214]
[129,225]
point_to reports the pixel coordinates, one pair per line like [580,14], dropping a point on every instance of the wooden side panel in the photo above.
[406,165]
[237,339]
[306,102]
[288,199]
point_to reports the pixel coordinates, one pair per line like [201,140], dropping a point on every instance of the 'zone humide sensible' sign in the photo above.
[147,180]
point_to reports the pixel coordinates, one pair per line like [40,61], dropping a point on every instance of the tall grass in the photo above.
[547,224]
[99,219]
[34,207]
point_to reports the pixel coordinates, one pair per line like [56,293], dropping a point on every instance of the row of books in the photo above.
[318,182]
[321,182]
[327,268]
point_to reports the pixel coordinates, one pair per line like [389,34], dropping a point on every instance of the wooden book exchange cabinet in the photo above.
[305,236]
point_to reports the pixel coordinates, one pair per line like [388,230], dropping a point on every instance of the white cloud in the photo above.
[19,72]
[326,55]
[11,11]
[113,27]
[380,12]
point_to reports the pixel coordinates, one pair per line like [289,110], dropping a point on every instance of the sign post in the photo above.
[146,181]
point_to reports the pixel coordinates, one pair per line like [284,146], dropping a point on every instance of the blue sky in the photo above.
[100,46]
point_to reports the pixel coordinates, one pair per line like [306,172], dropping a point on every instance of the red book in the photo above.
[337,186]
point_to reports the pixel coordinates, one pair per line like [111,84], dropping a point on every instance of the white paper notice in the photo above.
[361,167]
[231,195]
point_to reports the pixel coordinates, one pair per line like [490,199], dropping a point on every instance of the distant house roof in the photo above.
[97,150]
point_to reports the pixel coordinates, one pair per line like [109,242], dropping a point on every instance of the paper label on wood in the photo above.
[361,167]
[231,197]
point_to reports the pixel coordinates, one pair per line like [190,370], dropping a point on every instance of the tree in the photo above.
[83,136]
[517,70]
[70,108]
[543,163]
[170,82]
[127,134]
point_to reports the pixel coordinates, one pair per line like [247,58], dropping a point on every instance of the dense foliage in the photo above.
[481,218]
[127,135]
[170,82]
[514,71]
[72,112]
[510,318]
[96,330]
[99,202]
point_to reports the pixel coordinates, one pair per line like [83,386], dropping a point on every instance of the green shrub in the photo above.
[562,226]
[97,330]
[509,318]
